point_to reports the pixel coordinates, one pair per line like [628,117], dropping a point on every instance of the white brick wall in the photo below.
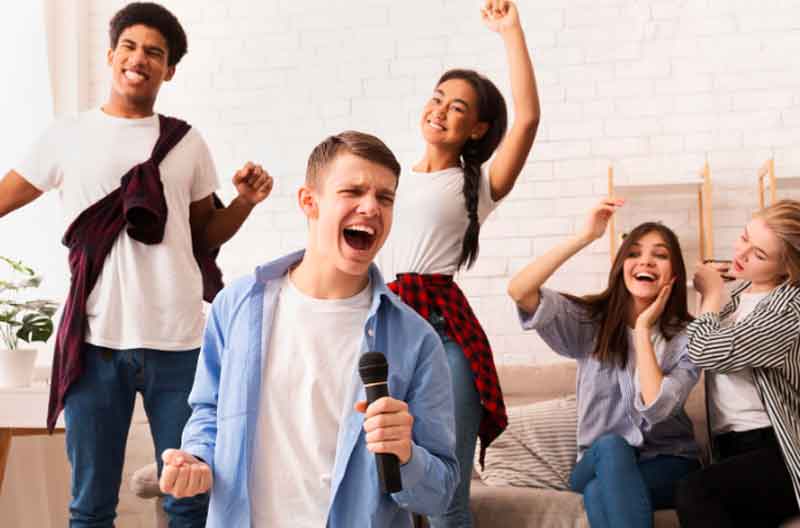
[655,87]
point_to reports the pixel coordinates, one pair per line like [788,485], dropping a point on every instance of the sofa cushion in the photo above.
[494,506]
[537,449]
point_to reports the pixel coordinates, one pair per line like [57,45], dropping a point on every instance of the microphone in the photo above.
[373,369]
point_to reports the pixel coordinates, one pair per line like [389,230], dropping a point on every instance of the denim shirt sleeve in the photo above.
[200,433]
[680,376]
[561,323]
[431,475]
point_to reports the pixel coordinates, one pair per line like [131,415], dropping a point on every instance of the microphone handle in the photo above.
[388,464]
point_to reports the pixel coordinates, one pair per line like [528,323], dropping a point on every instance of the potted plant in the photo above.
[21,320]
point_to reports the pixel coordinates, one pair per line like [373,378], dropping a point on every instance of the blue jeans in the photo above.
[468,414]
[97,413]
[620,491]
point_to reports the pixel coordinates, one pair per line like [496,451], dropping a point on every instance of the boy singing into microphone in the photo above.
[277,432]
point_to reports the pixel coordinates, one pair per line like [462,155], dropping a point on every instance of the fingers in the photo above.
[198,479]
[253,175]
[243,174]
[494,9]
[184,475]
[394,447]
[169,474]
[388,427]
[264,185]
[385,405]
[169,455]
[663,295]
[613,202]
[610,205]
[187,480]
[388,421]
[389,434]
[181,486]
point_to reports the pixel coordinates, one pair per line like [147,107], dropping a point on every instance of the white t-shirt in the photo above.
[147,296]
[734,403]
[430,219]
[308,377]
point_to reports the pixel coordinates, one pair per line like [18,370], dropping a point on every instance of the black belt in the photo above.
[735,443]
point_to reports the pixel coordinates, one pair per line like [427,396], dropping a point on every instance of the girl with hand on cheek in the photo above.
[635,441]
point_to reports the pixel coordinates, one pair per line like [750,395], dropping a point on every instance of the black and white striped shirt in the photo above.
[768,341]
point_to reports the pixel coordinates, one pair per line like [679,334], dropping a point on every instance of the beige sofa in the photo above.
[542,508]
[515,507]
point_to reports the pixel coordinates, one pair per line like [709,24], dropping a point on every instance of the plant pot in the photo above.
[16,367]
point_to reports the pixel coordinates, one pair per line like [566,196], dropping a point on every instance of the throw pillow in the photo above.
[538,449]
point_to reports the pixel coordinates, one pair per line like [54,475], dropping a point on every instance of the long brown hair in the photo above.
[609,309]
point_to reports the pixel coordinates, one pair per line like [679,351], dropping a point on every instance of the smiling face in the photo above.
[757,256]
[647,267]
[350,212]
[451,115]
[139,64]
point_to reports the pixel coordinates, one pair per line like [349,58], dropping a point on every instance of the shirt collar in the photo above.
[279,267]
[777,300]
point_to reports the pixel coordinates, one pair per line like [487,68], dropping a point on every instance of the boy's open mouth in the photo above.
[359,237]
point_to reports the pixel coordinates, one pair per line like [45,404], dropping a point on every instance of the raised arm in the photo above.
[524,287]
[16,191]
[502,17]
[212,227]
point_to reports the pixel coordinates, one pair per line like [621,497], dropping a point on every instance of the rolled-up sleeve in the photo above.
[431,475]
[680,376]
[561,323]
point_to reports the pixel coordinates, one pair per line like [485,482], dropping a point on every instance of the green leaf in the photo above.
[40,306]
[18,266]
[35,327]
[9,317]
[36,322]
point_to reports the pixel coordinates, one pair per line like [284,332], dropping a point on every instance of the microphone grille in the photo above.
[372,367]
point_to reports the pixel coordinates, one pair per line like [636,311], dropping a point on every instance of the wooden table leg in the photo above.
[5,447]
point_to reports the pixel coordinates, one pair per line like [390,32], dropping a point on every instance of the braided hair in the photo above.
[475,152]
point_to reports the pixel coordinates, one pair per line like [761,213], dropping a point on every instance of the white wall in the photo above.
[655,87]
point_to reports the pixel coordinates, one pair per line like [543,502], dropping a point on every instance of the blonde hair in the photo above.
[783,219]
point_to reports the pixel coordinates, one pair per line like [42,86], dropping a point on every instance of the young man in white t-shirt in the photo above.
[277,431]
[143,315]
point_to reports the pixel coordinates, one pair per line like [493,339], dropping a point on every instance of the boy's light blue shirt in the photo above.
[227,388]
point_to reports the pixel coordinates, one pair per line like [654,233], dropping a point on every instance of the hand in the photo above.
[650,315]
[708,280]
[388,426]
[598,218]
[184,475]
[723,267]
[500,15]
[252,183]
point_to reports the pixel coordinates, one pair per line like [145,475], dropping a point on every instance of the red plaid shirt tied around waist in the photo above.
[426,293]
[139,206]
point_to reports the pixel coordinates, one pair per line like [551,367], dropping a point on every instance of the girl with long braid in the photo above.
[440,208]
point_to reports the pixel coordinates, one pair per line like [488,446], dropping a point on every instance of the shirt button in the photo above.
[371,332]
